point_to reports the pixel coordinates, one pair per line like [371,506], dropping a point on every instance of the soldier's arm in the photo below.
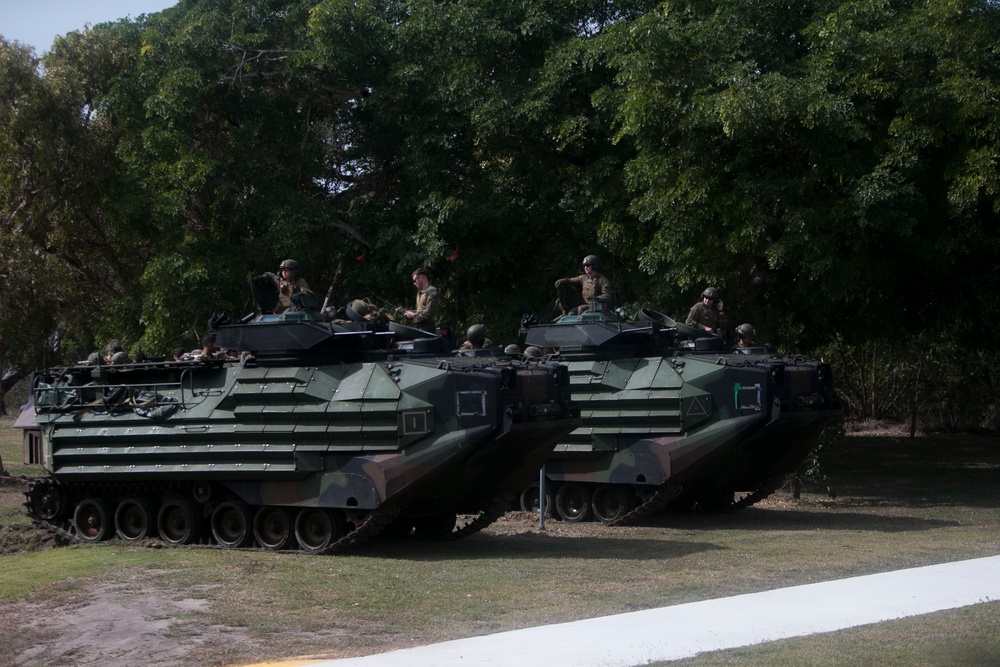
[692,320]
[607,294]
[577,279]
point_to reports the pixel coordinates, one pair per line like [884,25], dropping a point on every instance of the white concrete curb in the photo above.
[681,631]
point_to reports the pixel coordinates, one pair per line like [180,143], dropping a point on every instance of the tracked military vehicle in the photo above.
[674,416]
[321,434]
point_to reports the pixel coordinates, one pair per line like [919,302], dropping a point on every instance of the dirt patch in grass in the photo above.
[107,625]
[19,538]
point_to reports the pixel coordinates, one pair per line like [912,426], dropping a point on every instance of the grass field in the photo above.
[899,503]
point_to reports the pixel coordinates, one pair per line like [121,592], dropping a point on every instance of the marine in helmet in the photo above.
[593,287]
[427,302]
[744,335]
[115,353]
[290,282]
[476,338]
[708,314]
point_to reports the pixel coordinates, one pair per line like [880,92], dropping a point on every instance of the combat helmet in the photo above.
[710,293]
[476,334]
[358,309]
[745,331]
[290,264]
[591,260]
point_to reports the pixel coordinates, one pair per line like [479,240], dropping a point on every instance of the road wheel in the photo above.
[231,525]
[94,519]
[611,503]
[273,528]
[135,519]
[179,522]
[316,529]
[573,502]
[529,499]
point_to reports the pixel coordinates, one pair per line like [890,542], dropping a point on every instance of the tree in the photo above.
[811,160]
[822,158]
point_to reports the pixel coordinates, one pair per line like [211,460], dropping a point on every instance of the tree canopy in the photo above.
[830,166]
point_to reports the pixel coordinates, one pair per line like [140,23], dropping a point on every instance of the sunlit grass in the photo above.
[936,501]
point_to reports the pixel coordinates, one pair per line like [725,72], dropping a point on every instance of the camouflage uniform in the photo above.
[286,288]
[594,287]
[426,309]
[702,315]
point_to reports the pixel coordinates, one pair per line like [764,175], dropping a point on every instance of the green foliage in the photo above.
[929,378]
[811,160]
[825,147]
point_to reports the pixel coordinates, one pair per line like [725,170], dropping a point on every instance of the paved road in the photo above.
[681,631]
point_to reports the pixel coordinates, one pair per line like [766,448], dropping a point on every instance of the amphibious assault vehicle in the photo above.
[319,435]
[673,415]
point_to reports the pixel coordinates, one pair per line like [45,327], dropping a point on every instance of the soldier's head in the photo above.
[421,277]
[532,351]
[476,335]
[291,266]
[513,348]
[745,332]
[592,262]
[711,294]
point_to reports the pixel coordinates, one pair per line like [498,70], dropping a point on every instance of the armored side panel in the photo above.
[670,419]
[321,436]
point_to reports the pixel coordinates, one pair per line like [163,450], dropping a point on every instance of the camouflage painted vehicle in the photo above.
[319,435]
[672,416]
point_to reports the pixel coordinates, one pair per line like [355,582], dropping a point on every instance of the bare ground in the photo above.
[107,625]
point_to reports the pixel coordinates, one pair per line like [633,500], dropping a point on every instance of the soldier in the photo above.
[209,350]
[708,314]
[116,354]
[744,335]
[427,302]
[595,289]
[289,282]
[476,338]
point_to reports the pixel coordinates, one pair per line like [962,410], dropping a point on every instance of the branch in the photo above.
[350,231]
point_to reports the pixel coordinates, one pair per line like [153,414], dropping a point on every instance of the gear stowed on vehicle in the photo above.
[322,434]
[673,415]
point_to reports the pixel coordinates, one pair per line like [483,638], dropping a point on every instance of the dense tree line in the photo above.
[831,166]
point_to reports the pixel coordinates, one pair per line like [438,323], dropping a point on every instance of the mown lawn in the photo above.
[898,503]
